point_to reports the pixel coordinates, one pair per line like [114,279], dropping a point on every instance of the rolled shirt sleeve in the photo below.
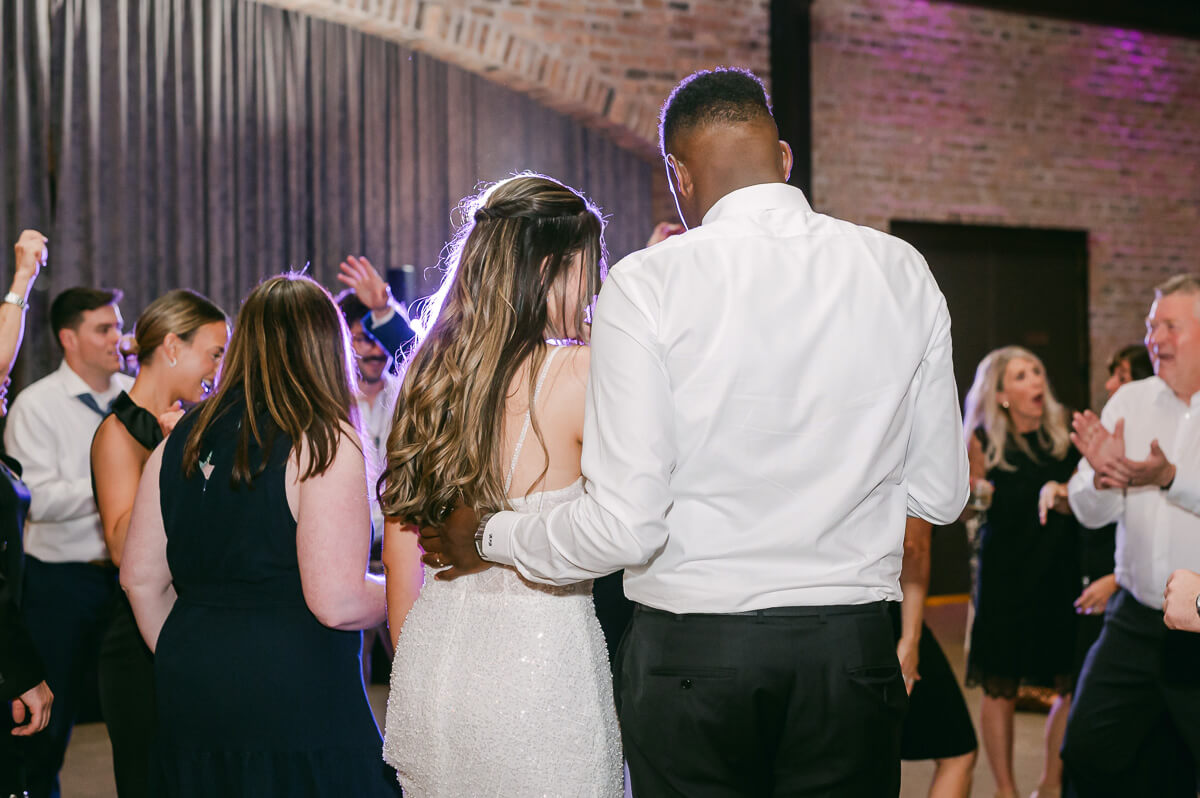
[936,469]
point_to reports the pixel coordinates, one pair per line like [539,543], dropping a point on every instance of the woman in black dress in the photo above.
[938,725]
[246,562]
[1018,439]
[179,341]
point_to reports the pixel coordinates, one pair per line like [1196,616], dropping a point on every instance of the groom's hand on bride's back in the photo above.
[453,544]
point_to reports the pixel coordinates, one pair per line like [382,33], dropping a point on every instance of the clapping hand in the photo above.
[453,544]
[369,287]
[1154,470]
[1103,450]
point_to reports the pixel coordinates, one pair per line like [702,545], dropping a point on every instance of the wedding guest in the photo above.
[69,577]
[755,494]
[1027,580]
[25,698]
[387,323]
[1097,547]
[245,564]
[378,390]
[1141,472]
[938,725]
[179,341]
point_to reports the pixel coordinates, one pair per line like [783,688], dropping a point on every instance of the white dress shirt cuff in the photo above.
[382,317]
[497,538]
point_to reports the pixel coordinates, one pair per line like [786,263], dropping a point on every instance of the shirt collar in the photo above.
[75,385]
[753,199]
[1164,395]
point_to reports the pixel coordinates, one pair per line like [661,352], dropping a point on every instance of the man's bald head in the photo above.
[718,135]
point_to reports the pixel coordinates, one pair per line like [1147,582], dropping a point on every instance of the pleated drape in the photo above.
[209,143]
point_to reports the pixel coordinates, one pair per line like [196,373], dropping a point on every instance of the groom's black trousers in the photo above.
[792,701]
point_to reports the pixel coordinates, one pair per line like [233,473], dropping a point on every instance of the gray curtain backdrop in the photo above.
[209,143]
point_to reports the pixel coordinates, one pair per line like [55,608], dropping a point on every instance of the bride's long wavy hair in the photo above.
[513,251]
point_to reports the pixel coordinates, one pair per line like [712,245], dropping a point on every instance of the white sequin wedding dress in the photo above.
[502,687]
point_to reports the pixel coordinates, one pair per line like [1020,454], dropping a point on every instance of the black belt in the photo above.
[812,611]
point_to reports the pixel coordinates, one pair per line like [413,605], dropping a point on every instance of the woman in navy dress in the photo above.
[245,564]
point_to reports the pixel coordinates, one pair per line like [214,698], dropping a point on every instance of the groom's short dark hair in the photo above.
[724,94]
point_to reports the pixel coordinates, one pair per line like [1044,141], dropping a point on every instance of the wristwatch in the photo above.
[16,299]
[479,530]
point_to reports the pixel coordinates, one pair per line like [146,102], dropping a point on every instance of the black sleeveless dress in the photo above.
[126,667]
[1027,580]
[255,695]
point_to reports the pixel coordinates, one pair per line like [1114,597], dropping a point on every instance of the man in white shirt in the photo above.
[771,393]
[378,390]
[69,578]
[1139,674]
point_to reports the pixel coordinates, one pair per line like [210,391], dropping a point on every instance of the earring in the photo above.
[171,362]
[1003,404]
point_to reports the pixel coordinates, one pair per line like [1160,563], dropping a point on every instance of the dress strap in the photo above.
[512,466]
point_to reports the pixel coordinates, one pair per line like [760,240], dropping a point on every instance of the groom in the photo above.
[771,393]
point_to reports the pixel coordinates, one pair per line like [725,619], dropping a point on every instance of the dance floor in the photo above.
[88,769]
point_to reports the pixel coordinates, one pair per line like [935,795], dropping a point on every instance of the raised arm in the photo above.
[31,254]
[145,575]
[333,538]
[117,462]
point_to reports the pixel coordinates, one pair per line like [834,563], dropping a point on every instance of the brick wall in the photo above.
[936,112]
[611,62]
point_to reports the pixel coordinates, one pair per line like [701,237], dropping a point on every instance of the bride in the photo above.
[499,686]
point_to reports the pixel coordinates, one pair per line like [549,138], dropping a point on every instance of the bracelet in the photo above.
[16,299]
[1198,604]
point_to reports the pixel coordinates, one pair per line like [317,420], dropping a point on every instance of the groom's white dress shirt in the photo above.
[771,393]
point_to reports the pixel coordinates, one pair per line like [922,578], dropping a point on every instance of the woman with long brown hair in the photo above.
[179,341]
[245,563]
[499,686]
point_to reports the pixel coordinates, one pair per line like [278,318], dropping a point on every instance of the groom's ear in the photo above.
[680,177]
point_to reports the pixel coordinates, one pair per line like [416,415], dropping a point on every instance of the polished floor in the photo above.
[88,769]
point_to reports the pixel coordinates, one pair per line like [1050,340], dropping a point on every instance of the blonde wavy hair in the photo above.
[514,249]
[982,410]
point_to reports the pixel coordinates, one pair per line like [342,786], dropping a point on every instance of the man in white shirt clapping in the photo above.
[1142,470]
[69,577]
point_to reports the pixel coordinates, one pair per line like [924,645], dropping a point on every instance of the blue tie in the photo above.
[90,401]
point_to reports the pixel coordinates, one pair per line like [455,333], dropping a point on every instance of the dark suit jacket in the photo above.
[20,667]
[393,335]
